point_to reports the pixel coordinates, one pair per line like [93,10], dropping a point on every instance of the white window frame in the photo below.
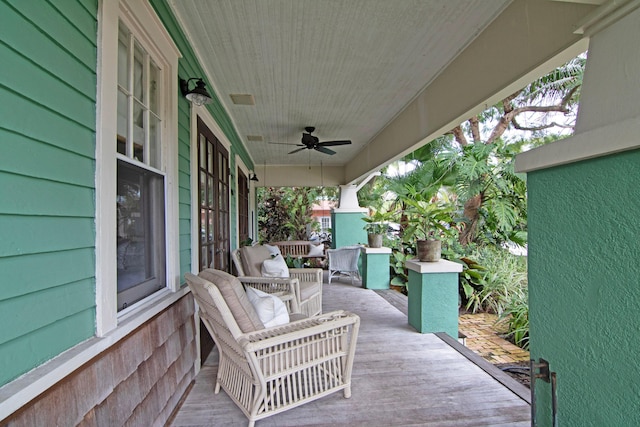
[139,18]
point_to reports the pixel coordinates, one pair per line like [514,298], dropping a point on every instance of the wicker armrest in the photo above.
[307,274]
[318,327]
[287,289]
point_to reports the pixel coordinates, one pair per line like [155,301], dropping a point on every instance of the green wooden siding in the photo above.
[47,171]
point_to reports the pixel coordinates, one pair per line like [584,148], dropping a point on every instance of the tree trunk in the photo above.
[470,214]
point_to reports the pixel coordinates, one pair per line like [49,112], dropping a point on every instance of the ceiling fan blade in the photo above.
[299,149]
[334,143]
[286,143]
[324,150]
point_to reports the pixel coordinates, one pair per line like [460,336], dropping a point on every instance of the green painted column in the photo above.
[375,268]
[433,296]
[348,227]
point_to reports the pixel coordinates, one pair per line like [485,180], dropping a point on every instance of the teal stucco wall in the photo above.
[433,302]
[584,288]
[347,229]
[375,270]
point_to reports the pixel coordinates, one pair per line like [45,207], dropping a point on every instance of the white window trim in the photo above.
[202,112]
[141,19]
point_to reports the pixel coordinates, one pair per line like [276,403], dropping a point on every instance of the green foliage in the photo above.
[487,170]
[425,218]
[285,213]
[272,216]
[399,273]
[294,262]
[504,278]
[376,223]
[516,316]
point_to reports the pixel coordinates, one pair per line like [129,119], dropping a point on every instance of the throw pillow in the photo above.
[271,310]
[273,250]
[275,267]
[316,250]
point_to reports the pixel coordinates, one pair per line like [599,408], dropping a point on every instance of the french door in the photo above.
[243,207]
[213,190]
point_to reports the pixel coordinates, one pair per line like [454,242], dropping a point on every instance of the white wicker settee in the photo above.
[268,371]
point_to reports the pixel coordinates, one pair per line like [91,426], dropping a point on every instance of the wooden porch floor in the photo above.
[400,378]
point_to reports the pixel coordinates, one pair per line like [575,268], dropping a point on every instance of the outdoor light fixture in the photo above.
[253,177]
[198,95]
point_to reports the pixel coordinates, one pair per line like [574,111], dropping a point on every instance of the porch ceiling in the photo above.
[355,69]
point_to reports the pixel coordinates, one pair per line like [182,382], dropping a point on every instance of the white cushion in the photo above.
[271,310]
[275,267]
[273,250]
[316,250]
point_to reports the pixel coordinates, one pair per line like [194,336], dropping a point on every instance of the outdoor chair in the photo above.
[307,282]
[268,371]
[344,262]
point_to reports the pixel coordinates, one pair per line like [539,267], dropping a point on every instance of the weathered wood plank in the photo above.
[400,377]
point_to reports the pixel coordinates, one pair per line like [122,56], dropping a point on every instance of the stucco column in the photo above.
[346,220]
[433,296]
[375,268]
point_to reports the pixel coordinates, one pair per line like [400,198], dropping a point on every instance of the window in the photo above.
[325,223]
[136,165]
[140,197]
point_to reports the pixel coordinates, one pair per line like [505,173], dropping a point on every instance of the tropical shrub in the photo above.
[516,317]
[504,277]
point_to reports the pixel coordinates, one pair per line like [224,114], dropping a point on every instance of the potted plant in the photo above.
[376,227]
[427,223]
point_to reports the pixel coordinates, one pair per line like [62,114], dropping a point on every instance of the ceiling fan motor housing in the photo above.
[309,140]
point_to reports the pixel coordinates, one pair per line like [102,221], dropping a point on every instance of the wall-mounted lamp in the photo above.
[198,95]
[253,177]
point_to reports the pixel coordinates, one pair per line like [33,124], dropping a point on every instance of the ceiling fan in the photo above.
[310,142]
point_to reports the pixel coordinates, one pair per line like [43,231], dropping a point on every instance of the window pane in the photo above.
[123,48]
[155,158]
[138,73]
[210,188]
[211,227]
[122,123]
[204,258]
[138,132]
[203,188]
[203,225]
[202,149]
[140,234]
[154,85]
[210,158]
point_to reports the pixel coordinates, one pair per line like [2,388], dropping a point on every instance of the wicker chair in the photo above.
[268,371]
[344,262]
[307,282]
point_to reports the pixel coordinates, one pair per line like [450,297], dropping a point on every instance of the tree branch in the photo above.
[518,126]
[458,134]
[474,123]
